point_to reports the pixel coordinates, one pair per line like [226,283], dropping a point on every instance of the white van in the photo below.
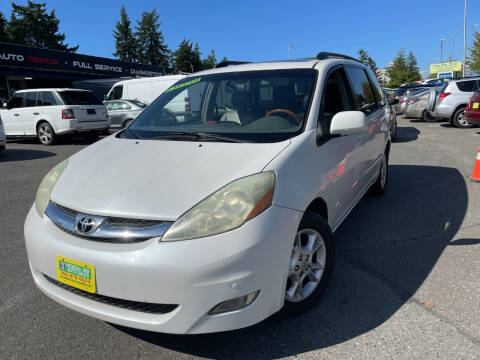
[217,220]
[145,89]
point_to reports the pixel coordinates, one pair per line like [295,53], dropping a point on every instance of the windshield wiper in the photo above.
[200,136]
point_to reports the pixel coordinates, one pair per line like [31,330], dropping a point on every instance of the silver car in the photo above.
[416,106]
[402,100]
[123,112]
[451,100]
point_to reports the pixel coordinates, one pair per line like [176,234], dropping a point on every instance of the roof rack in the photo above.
[226,63]
[323,55]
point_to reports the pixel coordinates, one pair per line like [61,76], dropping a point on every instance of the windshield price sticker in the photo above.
[179,86]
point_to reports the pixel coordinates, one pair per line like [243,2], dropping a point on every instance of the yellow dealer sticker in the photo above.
[75,273]
[475,105]
[187,83]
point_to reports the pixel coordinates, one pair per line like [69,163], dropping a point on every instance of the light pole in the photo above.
[290,47]
[441,50]
[464,37]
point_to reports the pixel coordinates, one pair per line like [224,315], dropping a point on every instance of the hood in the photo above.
[155,179]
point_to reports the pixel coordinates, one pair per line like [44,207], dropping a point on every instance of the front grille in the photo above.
[124,304]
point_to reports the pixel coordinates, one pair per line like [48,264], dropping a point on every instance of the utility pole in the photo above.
[464,37]
[290,47]
[441,50]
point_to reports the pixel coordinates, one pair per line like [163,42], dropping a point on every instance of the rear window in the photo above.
[466,86]
[79,98]
[442,89]
[139,103]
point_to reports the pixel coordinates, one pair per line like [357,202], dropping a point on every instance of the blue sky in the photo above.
[262,30]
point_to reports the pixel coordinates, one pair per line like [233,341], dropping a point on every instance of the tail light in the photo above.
[187,104]
[402,101]
[443,95]
[68,114]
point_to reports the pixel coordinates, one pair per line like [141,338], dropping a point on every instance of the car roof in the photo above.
[50,89]
[306,63]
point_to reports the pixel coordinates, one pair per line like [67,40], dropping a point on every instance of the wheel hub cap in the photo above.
[307,264]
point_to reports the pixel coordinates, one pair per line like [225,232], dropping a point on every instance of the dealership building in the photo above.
[25,67]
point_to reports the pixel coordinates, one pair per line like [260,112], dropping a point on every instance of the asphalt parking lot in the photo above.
[406,282]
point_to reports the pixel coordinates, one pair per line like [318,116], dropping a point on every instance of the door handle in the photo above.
[36,113]
[16,114]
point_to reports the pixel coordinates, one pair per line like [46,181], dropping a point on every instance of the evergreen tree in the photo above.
[368,61]
[473,60]
[3,28]
[124,39]
[412,67]
[187,57]
[210,61]
[31,25]
[151,47]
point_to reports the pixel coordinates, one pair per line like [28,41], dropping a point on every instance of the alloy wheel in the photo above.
[45,134]
[307,264]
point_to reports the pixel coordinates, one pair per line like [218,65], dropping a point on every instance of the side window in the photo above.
[379,97]
[15,101]
[109,105]
[116,93]
[466,86]
[335,98]
[31,99]
[124,106]
[46,98]
[362,90]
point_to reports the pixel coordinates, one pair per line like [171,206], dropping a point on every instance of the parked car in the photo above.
[403,100]
[393,123]
[452,99]
[123,112]
[3,138]
[211,224]
[144,89]
[48,113]
[472,111]
[416,106]
[406,89]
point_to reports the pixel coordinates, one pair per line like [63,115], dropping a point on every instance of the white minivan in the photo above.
[217,220]
[144,89]
[48,113]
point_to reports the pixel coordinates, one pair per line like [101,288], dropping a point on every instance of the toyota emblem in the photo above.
[84,224]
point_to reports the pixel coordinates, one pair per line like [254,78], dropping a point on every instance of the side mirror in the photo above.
[105,97]
[348,123]
[393,101]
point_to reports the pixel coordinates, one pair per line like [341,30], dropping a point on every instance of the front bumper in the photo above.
[195,274]
[83,126]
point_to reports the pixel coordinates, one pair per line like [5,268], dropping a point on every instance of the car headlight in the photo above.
[46,186]
[225,210]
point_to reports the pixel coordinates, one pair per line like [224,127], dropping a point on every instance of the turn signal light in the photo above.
[68,114]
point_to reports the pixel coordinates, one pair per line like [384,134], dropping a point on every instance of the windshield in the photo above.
[254,106]
[79,98]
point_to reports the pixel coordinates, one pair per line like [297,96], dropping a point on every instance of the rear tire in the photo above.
[427,117]
[393,133]
[459,120]
[45,133]
[311,265]
[379,187]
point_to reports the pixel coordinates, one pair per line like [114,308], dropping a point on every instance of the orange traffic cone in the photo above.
[476,168]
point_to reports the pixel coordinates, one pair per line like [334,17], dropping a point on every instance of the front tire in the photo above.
[46,134]
[459,120]
[311,265]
